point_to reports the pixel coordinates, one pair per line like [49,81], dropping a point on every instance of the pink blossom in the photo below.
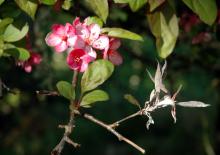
[112,54]
[61,37]
[78,59]
[187,21]
[35,59]
[202,37]
[91,35]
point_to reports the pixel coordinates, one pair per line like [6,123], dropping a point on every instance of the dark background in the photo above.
[28,122]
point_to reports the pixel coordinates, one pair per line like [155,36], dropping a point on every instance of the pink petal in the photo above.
[28,68]
[76,21]
[82,31]
[58,29]
[115,57]
[80,43]
[61,47]
[52,39]
[83,66]
[71,41]
[74,59]
[114,43]
[91,53]
[95,31]
[101,43]
[36,58]
[69,29]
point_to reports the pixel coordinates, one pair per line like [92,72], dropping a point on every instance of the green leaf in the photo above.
[100,7]
[48,2]
[155,3]
[135,5]
[94,19]
[5,22]
[97,73]
[27,6]
[67,4]
[121,33]
[164,26]
[121,1]
[66,90]
[13,34]
[1,1]
[94,96]
[131,99]
[18,53]
[205,9]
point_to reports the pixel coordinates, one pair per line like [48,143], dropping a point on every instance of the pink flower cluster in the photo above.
[35,59]
[83,41]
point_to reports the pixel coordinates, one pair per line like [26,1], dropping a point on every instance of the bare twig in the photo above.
[47,93]
[117,123]
[68,130]
[113,131]
[69,127]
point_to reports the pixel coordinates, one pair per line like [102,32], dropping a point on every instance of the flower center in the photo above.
[76,59]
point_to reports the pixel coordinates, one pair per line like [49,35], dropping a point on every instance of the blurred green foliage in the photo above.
[29,121]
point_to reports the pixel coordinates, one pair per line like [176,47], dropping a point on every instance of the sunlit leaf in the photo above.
[155,3]
[66,90]
[100,7]
[1,1]
[205,9]
[95,20]
[122,33]
[67,4]
[97,73]
[27,6]
[121,1]
[48,2]
[131,99]
[18,53]
[164,26]
[94,96]
[4,23]
[192,104]
[135,5]
[13,34]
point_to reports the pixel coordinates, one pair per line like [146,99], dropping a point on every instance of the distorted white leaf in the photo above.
[192,104]
[173,113]
[157,78]
[152,94]
[164,67]
[149,74]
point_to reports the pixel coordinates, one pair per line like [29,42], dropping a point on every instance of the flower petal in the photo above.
[114,43]
[83,66]
[115,57]
[101,43]
[76,21]
[95,31]
[74,59]
[76,42]
[69,29]
[52,39]
[58,29]
[61,47]
[91,53]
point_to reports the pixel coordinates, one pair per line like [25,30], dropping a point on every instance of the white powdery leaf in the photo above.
[164,67]
[158,79]
[192,104]
[152,94]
